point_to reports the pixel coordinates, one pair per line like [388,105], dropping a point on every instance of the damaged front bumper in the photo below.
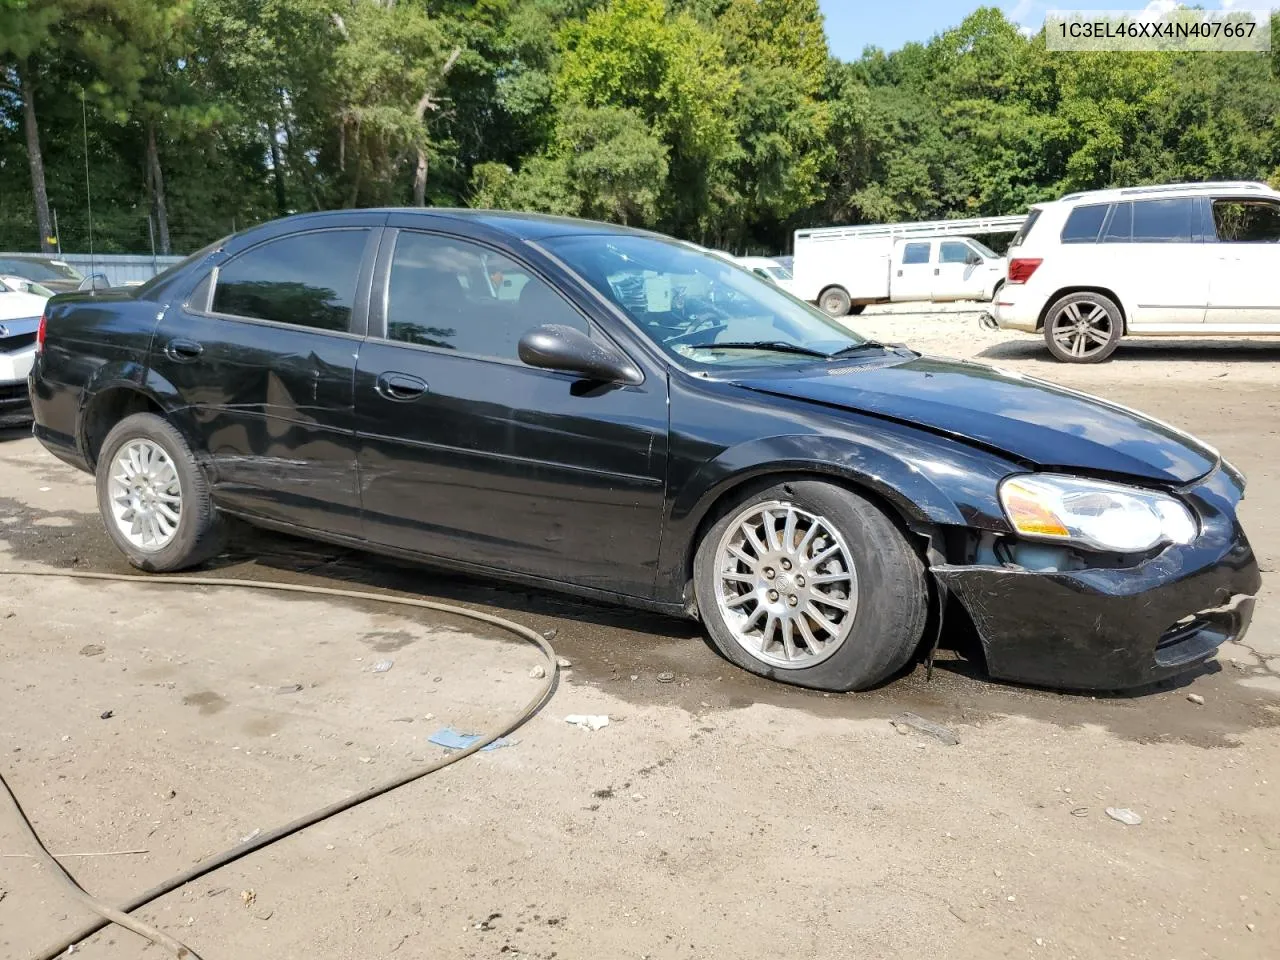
[1124,627]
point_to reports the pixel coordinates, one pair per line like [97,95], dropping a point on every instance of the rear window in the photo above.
[915,253]
[1032,216]
[1084,223]
[1163,221]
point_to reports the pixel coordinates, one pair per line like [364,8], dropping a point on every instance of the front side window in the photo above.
[305,280]
[1247,221]
[452,294]
[953,252]
[697,307]
[915,253]
[1163,221]
[1083,223]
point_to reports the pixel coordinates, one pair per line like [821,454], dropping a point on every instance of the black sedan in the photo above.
[620,415]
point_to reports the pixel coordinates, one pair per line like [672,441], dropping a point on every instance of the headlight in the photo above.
[1091,513]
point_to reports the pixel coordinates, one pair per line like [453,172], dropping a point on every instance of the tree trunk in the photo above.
[157,189]
[38,190]
[277,170]
[420,180]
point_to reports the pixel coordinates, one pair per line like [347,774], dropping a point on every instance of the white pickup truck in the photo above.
[842,271]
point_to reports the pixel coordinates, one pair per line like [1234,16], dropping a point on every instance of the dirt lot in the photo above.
[717,816]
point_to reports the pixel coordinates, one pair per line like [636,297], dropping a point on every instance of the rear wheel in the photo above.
[1083,327]
[154,497]
[809,583]
[834,301]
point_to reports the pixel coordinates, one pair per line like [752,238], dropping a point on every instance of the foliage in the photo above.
[725,121]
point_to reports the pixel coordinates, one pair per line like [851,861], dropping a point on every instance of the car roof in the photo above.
[1170,191]
[516,225]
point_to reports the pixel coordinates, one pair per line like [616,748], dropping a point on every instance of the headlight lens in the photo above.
[1092,513]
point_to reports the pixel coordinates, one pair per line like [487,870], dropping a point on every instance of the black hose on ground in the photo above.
[119,915]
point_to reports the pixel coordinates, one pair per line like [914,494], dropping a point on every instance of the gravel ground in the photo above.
[717,815]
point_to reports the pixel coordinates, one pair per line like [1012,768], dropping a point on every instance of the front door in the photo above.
[468,454]
[262,355]
[956,276]
[1244,285]
[913,272]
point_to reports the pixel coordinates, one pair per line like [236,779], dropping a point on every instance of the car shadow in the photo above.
[281,557]
[1192,351]
[972,670]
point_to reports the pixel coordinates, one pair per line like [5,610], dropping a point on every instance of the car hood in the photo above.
[1032,420]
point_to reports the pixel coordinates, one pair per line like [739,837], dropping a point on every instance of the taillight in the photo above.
[1021,268]
[40,331]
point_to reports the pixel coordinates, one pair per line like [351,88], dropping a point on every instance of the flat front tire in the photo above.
[808,583]
[154,497]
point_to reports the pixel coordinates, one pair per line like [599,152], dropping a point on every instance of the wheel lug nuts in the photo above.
[768,573]
[799,581]
[773,594]
[793,600]
[786,564]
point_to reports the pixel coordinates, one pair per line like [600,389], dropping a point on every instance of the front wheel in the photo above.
[808,583]
[1083,327]
[154,497]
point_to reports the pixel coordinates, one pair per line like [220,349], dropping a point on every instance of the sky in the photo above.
[855,24]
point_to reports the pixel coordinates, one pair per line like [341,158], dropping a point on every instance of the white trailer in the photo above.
[842,269]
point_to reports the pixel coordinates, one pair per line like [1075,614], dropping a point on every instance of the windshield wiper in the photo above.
[777,346]
[857,348]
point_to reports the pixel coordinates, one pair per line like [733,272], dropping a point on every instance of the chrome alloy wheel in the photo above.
[146,495]
[785,585]
[1082,328]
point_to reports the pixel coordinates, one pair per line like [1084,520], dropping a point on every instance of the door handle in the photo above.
[935,271]
[899,273]
[400,386]
[183,351]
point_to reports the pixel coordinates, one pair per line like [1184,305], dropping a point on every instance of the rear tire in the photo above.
[1083,327]
[834,301]
[154,497]
[825,592]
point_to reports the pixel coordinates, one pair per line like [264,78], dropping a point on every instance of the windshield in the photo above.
[699,308]
[40,269]
[1032,216]
[983,249]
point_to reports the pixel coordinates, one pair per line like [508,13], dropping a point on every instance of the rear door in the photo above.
[468,454]
[262,355]
[1158,264]
[1244,261]
[913,270]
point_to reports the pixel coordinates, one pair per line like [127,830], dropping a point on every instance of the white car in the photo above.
[1181,260]
[768,269]
[19,320]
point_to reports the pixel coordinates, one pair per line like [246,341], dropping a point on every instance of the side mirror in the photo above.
[94,283]
[556,347]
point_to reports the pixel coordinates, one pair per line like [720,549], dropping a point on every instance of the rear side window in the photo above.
[1120,229]
[1032,216]
[1246,221]
[953,252]
[305,280]
[1083,224]
[915,253]
[1163,221]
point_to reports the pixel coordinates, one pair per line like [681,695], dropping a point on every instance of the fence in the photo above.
[118,268]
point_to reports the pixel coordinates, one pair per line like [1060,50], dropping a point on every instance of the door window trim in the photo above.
[359,322]
[380,301]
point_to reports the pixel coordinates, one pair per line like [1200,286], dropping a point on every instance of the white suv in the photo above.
[1185,260]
